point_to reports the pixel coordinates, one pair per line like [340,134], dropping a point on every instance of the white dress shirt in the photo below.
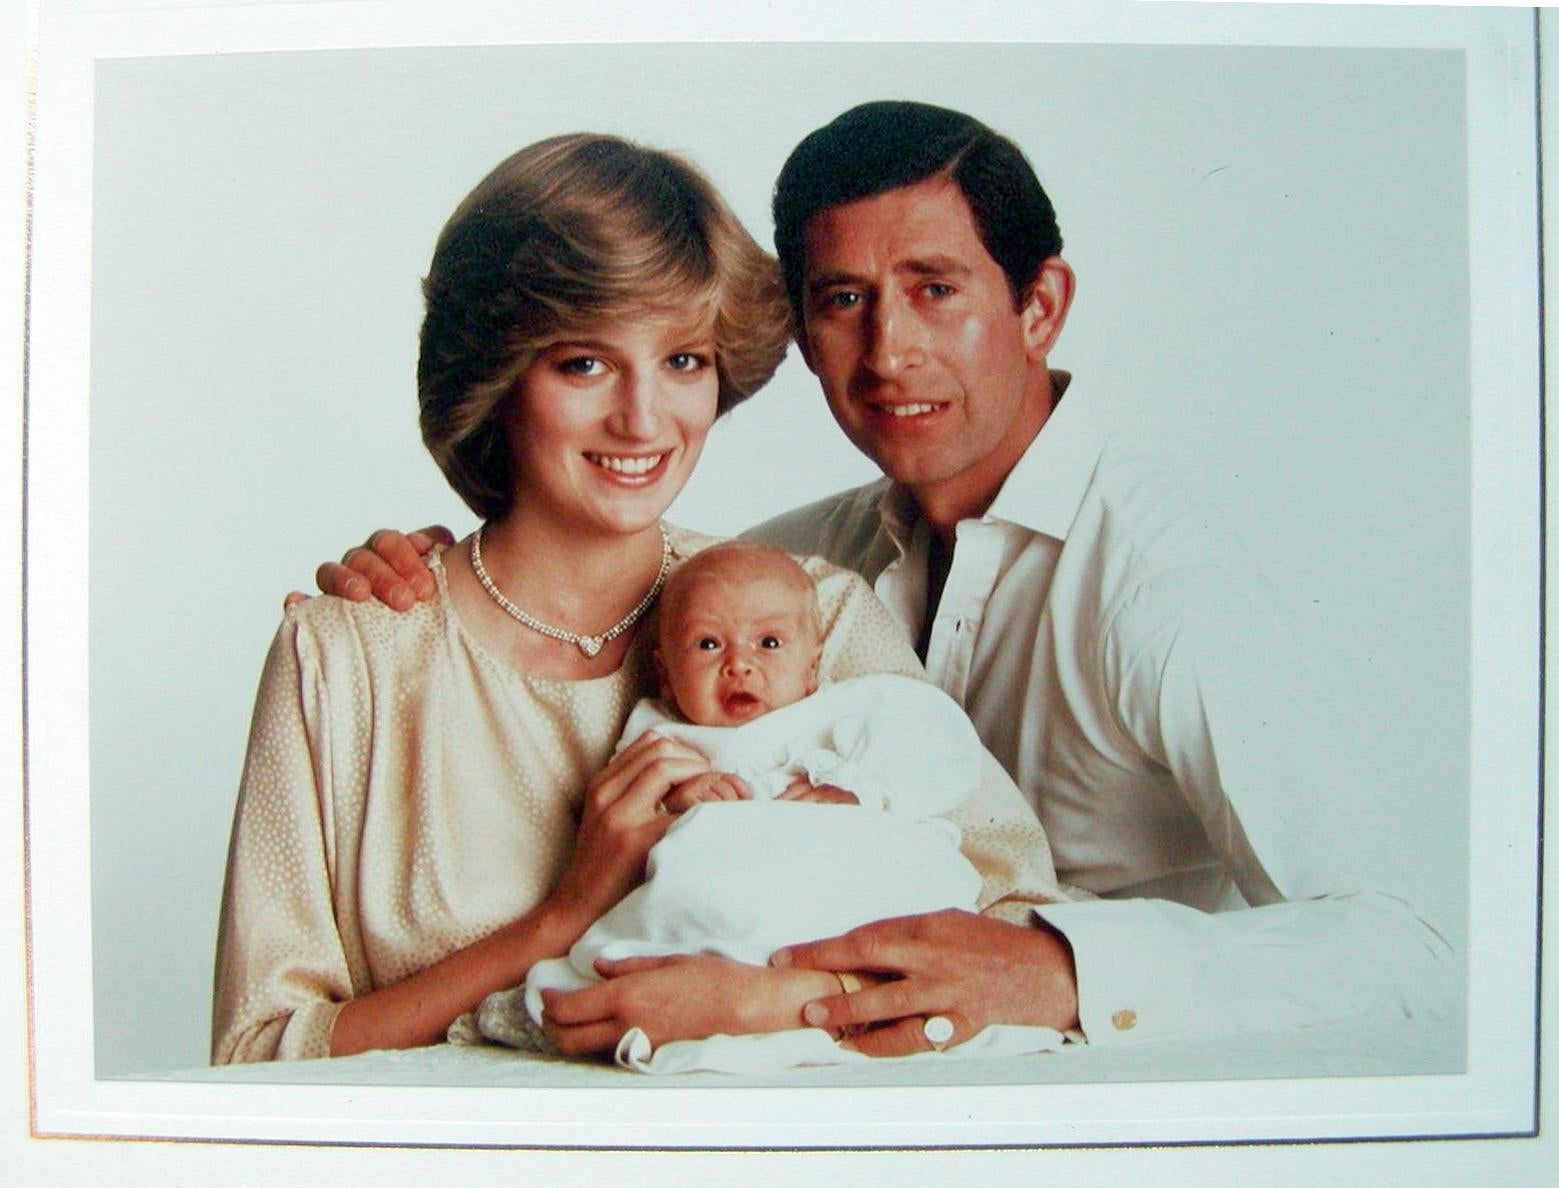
[1118,655]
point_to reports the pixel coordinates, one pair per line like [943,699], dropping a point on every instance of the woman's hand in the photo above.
[619,824]
[620,821]
[678,998]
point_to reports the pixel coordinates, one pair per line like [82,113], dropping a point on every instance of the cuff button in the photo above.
[1124,1020]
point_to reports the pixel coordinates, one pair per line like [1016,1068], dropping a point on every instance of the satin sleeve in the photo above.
[282,971]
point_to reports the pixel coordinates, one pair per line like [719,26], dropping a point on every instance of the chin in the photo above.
[624,521]
[912,470]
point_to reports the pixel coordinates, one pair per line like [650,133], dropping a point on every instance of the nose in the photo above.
[637,412]
[895,344]
[737,663]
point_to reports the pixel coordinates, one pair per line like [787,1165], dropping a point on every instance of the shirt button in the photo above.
[1124,1020]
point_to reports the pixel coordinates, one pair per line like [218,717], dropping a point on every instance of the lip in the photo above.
[625,469]
[905,415]
[741,704]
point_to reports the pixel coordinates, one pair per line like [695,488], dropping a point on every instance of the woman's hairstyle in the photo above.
[565,234]
[890,144]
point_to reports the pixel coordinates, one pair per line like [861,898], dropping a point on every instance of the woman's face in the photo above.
[605,426]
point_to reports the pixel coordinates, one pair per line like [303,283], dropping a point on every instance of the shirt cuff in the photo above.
[1134,968]
[307,1036]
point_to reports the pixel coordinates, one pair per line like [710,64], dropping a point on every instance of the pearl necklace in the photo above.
[590,645]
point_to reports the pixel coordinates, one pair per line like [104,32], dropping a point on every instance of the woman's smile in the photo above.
[634,468]
[606,424]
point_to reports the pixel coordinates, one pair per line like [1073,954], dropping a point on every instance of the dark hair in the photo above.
[890,144]
[562,236]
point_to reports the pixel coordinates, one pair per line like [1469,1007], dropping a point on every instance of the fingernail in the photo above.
[423,586]
[356,588]
[814,1014]
[401,599]
[779,958]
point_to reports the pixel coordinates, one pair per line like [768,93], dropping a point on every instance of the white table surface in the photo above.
[1352,1051]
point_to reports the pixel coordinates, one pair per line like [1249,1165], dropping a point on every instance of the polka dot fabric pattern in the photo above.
[406,793]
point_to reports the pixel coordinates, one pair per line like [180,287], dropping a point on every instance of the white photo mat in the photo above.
[224,267]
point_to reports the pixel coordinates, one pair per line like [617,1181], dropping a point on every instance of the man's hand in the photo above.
[804,790]
[388,566]
[677,998]
[973,970]
[701,789]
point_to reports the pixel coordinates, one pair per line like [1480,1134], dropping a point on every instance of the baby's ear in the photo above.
[812,673]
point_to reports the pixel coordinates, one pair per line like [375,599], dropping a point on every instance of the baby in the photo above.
[740,641]
[821,811]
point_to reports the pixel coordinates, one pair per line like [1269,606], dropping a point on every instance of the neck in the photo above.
[574,581]
[970,492]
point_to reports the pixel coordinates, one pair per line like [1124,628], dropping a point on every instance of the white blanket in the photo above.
[739,879]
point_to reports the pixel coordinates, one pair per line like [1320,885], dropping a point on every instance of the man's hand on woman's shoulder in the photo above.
[388,566]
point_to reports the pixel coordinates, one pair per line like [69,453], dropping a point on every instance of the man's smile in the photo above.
[901,411]
[891,417]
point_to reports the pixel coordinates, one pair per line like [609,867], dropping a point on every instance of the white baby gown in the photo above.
[740,879]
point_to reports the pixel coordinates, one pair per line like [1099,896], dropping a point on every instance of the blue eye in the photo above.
[583,365]
[938,289]
[687,361]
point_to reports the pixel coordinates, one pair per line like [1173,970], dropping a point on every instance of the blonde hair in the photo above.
[566,234]
[774,562]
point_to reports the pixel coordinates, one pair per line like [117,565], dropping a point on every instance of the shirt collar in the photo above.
[1044,490]
[899,514]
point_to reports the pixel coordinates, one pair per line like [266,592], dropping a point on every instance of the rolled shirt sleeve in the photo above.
[1119,655]
[1204,682]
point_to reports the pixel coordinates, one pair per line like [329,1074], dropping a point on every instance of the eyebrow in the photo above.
[936,265]
[931,265]
[576,344]
[769,621]
[695,338]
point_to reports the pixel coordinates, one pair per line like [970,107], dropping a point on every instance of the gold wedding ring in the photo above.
[849,983]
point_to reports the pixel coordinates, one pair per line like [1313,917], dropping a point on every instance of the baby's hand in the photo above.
[804,789]
[701,789]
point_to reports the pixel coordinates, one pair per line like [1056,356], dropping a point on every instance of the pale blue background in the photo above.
[1271,246]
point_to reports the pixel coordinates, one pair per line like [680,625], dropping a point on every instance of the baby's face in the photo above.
[734,646]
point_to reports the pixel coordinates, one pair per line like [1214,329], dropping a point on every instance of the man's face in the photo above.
[910,326]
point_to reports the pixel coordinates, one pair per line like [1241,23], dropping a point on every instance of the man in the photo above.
[1112,650]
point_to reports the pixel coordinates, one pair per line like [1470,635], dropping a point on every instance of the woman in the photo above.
[427,808]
